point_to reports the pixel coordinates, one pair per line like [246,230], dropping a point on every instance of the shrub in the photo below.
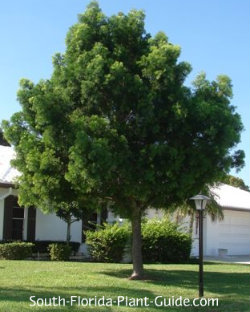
[108,243]
[16,250]
[59,252]
[162,242]
[42,246]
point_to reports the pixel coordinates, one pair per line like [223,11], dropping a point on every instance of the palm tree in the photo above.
[187,208]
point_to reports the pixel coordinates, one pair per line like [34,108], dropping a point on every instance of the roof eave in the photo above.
[236,208]
[6,184]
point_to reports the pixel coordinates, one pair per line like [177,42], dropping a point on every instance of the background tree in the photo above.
[87,211]
[115,122]
[69,213]
[187,208]
[2,139]
[235,181]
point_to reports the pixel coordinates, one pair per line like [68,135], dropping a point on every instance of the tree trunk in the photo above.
[177,217]
[191,223]
[68,231]
[136,244]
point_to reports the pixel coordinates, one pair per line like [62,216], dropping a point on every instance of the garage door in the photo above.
[234,232]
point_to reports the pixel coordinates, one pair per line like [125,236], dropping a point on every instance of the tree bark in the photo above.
[136,244]
[191,223]
[68,235]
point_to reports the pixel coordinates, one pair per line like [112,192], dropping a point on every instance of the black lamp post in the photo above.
[200,204]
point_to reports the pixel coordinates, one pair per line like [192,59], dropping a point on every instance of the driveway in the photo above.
[230,259]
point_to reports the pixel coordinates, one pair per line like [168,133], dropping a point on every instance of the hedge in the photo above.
[16,250]
[42,246]
[108,243]
[59,252]
[162,242]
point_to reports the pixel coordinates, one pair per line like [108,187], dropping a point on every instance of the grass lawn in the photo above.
[22,279]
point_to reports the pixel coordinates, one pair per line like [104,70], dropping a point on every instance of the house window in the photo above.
[13,219]
[17,222]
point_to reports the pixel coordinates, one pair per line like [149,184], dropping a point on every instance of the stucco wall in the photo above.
[50,227]
[232,234]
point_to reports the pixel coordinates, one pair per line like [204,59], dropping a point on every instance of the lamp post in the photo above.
[200,204]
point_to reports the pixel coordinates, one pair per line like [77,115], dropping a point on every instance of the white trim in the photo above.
[6,194]
[25,223]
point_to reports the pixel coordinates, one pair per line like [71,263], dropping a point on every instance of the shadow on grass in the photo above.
[233,288]
[216,282]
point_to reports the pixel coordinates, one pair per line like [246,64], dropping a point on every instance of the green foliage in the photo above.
[2,139]
[67,211]
[16,250]
[162,242]
[59,252]
[42,246]
[107,244]
[235,181]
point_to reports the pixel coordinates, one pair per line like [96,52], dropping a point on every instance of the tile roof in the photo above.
[228,196]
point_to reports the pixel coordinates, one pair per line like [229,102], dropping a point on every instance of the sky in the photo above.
[214,37]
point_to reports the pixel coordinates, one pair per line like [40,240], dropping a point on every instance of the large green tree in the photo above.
[116,123]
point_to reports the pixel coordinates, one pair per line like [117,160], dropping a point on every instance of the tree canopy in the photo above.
[116,122]
[235,181]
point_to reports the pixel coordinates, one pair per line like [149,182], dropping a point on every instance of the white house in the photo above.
[27,223]
[230,236]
